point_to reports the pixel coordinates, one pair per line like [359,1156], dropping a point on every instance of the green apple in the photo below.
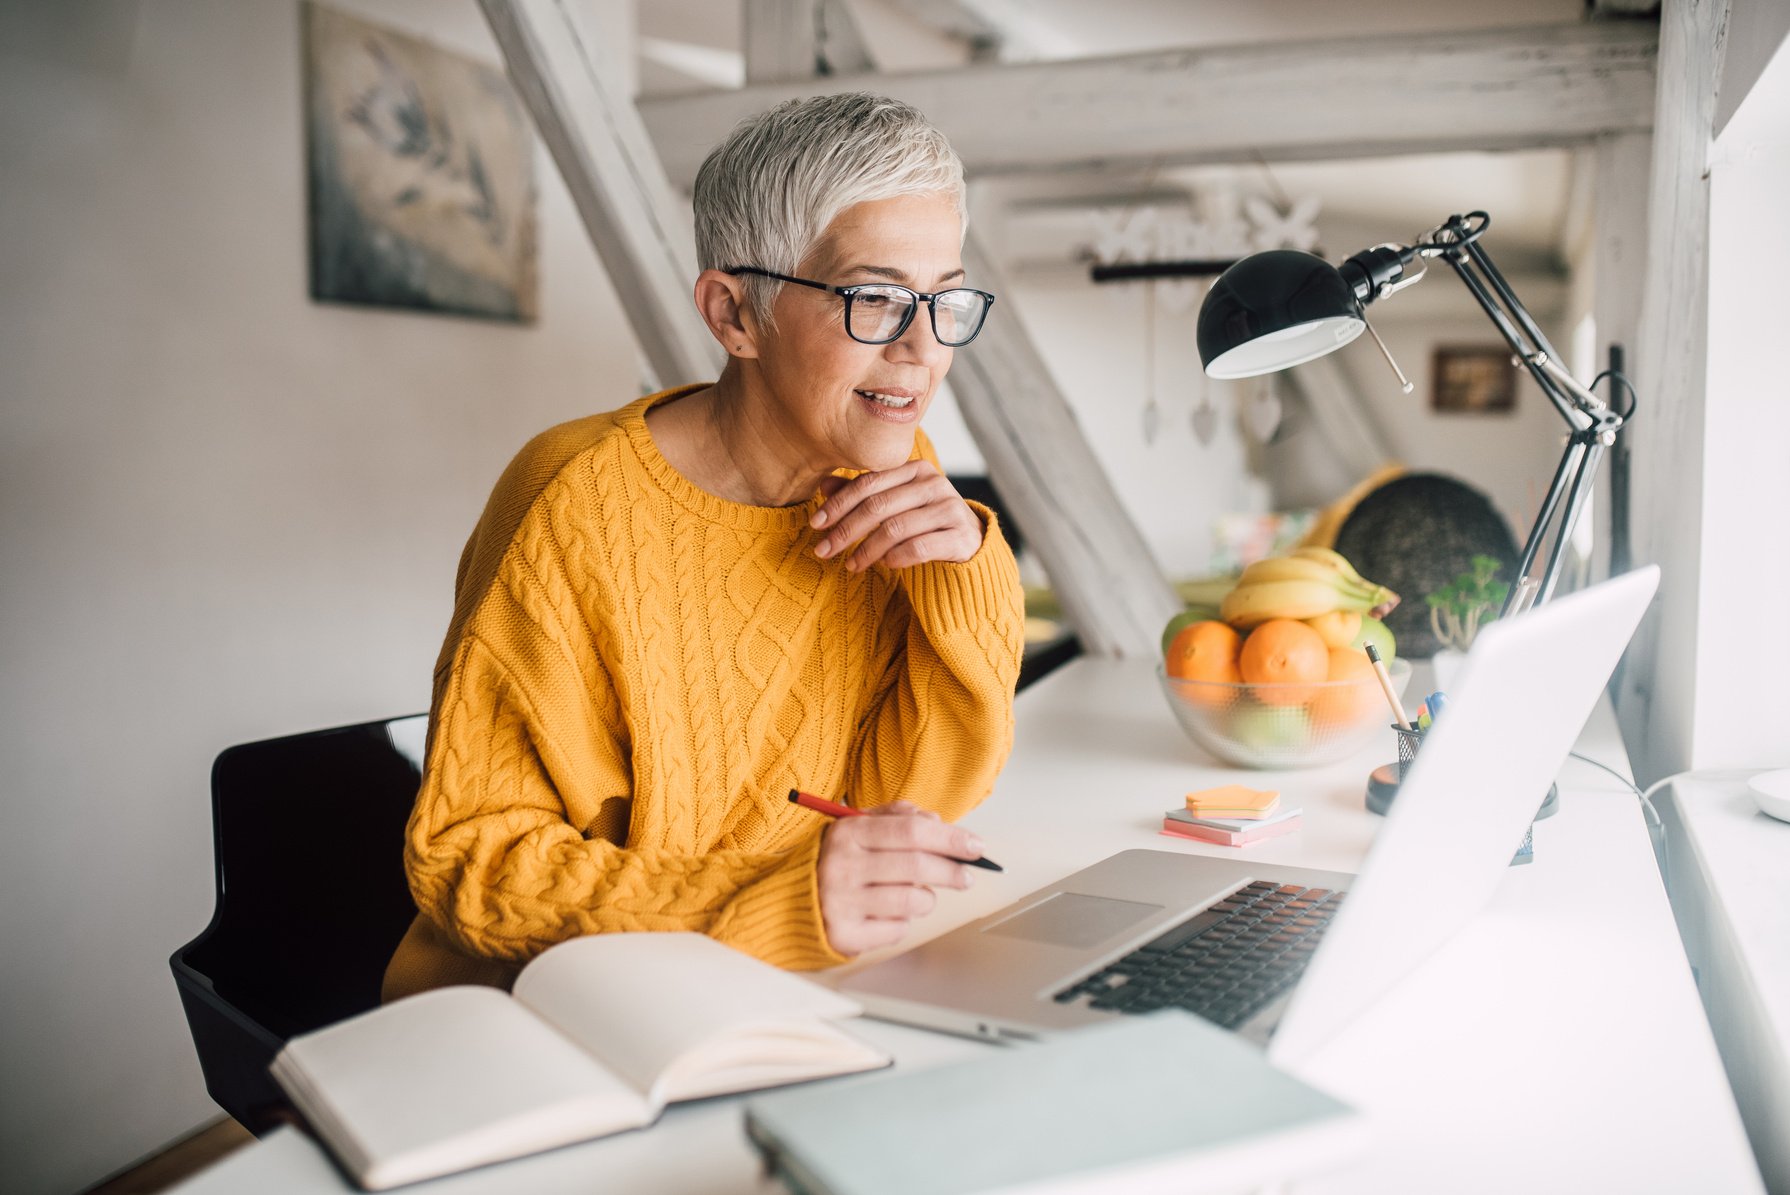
[1264,728]
[1184,619]
[1377,633]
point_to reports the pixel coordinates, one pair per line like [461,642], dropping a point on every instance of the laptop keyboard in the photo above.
[1225,964]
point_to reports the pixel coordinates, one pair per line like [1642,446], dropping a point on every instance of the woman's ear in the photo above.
[721,300]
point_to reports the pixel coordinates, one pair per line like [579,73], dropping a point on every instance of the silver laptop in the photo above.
[1288,956]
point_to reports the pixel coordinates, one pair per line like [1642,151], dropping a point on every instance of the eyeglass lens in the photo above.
[878,314]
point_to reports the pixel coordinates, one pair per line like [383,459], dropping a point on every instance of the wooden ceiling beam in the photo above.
[1348,97]
[627,205]
[800,39]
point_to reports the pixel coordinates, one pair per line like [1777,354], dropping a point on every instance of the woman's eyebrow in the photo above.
[901,276]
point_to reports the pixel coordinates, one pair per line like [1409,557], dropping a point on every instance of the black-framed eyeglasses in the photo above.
[880,312]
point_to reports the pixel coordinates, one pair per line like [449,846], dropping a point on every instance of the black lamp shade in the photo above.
[1274,310]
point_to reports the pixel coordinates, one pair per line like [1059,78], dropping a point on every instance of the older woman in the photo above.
[672,614]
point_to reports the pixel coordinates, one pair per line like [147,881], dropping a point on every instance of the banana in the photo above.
[1333,558]
[1306,584]
[1356,592]
[1381,600]
[1288,568]
[1257,602]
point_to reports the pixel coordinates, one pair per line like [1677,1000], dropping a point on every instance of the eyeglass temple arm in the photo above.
[808,282]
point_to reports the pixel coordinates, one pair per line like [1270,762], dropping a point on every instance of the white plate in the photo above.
[1772,791]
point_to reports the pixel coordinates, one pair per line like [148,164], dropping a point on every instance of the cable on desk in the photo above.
[1657,831]
[1630,784]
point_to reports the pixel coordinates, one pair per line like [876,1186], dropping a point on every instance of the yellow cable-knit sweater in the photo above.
[637,673]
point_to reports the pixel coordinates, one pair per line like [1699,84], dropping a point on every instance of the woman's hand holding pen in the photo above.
[877,872]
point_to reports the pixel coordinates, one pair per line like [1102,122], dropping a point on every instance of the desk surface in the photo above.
[1728,866]
[1556,1044]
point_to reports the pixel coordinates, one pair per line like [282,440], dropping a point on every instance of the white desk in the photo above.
[1557,1044]
[1728,868]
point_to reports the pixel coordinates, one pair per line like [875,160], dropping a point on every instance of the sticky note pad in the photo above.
[1233,800]
[1235,825]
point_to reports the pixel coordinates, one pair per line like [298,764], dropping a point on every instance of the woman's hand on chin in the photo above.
[877,873]
[900,517]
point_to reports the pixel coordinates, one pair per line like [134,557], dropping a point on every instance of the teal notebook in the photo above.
[1166,1101]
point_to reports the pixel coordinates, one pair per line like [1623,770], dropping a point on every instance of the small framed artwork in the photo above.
[421,163]
[1473,380]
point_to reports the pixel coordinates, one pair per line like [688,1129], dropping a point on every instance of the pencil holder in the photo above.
[1408,742]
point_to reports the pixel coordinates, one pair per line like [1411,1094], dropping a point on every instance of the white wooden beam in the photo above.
[590,126]
[695,66]
[779,39]
[1620,173]
[1758,29]
[994,30]
[1620,177]
[1351,97]
[961,20]
[800,39]
[1112,590]
[1657,697]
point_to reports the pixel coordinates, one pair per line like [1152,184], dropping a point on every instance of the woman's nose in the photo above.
[917,342]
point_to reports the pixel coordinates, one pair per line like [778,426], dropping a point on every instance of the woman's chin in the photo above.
[886,451]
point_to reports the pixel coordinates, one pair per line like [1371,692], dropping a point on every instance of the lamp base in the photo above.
[1382,787]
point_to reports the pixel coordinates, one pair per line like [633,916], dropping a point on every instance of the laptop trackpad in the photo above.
[1071,919]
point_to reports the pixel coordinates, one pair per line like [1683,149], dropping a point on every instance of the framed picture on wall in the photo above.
[421,171]
[1473,380]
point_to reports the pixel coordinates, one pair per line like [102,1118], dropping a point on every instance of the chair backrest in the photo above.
[308,832]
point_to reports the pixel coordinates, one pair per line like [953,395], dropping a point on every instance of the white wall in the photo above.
[1095,340]
[1742,710]
[1702,683]
[226,512]
[1093,337]
[1511,457]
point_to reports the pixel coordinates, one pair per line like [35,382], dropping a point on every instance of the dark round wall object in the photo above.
[1416,534]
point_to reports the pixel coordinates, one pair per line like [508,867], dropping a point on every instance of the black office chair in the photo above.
[308,833]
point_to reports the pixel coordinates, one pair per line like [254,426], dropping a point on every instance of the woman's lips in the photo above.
[893,398]
[895,406]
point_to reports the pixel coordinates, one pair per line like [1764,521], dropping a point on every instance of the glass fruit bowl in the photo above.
[1284,726]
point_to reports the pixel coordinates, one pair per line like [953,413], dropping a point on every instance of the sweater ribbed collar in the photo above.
[632,419]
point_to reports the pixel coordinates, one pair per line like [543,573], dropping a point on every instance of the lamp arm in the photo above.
[1590,456]
[1577,465]
[1593,422]
[1526,342]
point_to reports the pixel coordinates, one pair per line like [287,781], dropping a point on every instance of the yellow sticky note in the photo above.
[1233,800]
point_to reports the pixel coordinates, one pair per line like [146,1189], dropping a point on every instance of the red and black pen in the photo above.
[834,809]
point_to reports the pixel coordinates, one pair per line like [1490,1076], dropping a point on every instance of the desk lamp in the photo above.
[1277,309]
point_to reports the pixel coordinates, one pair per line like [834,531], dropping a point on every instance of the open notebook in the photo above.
[599,1035]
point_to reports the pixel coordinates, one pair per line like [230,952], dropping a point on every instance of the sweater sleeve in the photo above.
[941,725]
[505,851]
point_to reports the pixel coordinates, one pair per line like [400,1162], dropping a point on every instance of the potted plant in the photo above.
[1458,610]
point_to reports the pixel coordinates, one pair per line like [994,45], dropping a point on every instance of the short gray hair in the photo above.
[765,195]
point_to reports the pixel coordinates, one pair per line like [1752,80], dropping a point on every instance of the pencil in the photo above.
[1373,656]
[834,809]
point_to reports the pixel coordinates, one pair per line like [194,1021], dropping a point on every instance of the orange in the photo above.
[1205,651]
[1337,628]
[1345,705]
[1284,652]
